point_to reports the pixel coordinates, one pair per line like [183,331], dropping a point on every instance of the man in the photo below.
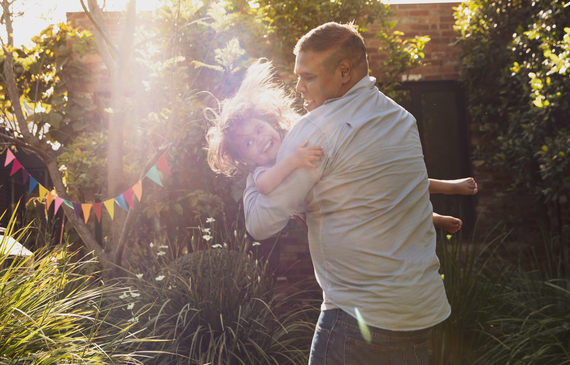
[371,233]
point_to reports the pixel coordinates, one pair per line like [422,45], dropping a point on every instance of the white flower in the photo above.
[160,253]
[134,319]
[151,244]
[206,230]
[256,244]
[162,246]
[217,245]
[134,295]
[207,237]
[159,278]
[210,220]
[170,287]
[139,276]
[130,306]
[124,295]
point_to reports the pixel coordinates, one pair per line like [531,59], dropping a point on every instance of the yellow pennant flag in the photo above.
[49,198]
[110,205]
[137,189]
[86,210]
[43,192]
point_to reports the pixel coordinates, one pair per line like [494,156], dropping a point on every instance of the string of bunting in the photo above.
[125,200]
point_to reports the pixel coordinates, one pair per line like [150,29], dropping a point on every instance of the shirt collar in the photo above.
[365,83]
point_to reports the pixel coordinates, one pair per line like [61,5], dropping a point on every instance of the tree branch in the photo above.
[102,39]
[131,216]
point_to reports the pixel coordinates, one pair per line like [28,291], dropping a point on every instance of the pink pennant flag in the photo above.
[15,167]
[163,165]
[86,210]
[129,197]
[137,189]
[58,202]
[97,209]
[9,157]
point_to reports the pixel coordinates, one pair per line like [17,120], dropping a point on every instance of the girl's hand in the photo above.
[307,156]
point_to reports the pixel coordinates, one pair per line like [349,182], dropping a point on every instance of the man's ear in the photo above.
[346,70]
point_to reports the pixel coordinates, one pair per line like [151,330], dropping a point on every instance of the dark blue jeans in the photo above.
[338,341]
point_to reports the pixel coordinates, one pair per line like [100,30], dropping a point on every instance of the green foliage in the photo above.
[510,304]
[51,311]
[46,76]
[516,60]
[401,55]
[280,24]
[217,305]
[473,282]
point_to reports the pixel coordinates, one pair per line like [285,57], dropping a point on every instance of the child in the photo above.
[247,133]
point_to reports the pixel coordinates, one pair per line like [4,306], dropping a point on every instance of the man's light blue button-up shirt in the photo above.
[371,233]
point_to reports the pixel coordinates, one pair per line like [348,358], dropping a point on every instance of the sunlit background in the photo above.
[38,14]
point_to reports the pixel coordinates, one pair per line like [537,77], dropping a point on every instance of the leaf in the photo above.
[178,208]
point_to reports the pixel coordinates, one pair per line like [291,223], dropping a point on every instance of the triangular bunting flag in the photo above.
[129,197]
[25,175]
[97,210]
[43,192]
[77,208]
[110,205]
[137,189]
[9,157]
[49,198]
[58,202]
[121,201]
[15,167]
[33,183]
[153,175]
[86,210]
[161,164]
[68,203]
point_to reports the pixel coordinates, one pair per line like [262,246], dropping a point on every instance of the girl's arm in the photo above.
[303,156]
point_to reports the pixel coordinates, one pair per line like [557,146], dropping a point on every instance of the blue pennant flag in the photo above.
[121,201]
[153,175]
[33,184]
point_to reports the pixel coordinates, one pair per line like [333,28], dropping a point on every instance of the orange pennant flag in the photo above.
[86,210]
[110,205]
[43,192]
[49,198]
[137,189]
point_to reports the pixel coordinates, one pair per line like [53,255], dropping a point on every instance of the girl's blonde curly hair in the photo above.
[258,97]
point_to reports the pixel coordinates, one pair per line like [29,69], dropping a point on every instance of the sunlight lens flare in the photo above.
[364,330]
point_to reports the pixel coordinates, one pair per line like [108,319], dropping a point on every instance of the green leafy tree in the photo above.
[516,60]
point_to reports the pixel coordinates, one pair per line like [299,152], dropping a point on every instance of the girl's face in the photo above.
[258,142]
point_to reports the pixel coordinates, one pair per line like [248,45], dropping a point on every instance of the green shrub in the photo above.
[218,305]
[51,313]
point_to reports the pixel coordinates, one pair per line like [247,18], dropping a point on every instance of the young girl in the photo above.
[247,133]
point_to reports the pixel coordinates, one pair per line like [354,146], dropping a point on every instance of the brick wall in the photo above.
[433,20]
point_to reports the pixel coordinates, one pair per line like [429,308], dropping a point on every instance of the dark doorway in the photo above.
[440,111]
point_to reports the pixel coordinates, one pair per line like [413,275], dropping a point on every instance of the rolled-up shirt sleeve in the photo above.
[266,215]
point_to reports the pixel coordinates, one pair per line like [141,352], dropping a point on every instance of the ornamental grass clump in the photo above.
[532,326]
[51,313]
[217,305]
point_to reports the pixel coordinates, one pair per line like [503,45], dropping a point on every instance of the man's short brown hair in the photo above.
[347,43]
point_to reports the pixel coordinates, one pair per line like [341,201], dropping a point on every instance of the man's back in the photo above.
[370,221]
